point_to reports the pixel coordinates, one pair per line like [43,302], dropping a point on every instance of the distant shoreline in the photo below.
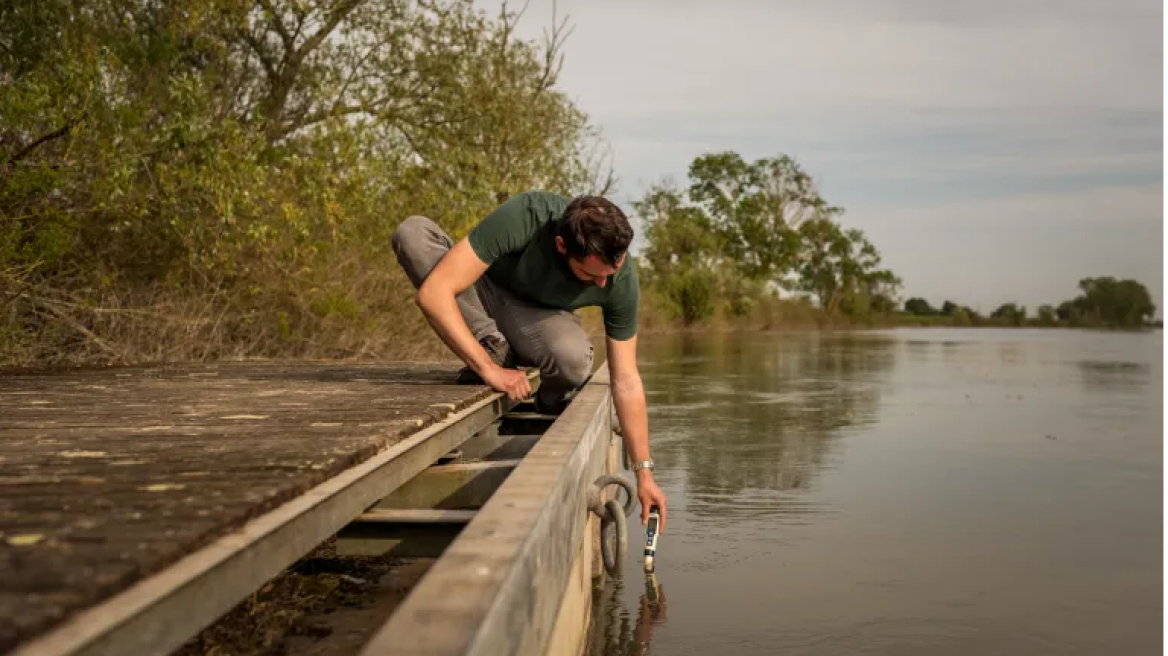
[789,316]
[851,327]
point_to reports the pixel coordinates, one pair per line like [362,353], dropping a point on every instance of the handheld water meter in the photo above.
[652,528]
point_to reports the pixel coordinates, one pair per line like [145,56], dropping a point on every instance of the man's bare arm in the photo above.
[454,273]
[628,395]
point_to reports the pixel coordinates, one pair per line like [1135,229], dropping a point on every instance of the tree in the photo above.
[1068,312]
[681,257]
[1046,315]
[743,230]
[883,303]
[756,208]
[835,263]
[256,156]
[919,306]
[1010,313]
[962,316]
[1108,301]
[675,233]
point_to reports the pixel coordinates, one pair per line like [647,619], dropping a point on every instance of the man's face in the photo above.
[590,269]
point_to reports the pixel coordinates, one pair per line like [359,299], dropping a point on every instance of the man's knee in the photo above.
[573,362]
[412,232]
[571,366]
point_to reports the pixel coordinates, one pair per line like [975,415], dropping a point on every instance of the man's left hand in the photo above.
[650,495]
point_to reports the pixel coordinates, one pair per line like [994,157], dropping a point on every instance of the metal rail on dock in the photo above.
[160,613]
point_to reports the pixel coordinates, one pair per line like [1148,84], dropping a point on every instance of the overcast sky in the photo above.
[994,151]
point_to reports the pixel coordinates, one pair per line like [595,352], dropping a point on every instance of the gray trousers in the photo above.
[552,340]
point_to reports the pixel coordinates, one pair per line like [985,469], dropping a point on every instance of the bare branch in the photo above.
[553,59]
[261,54]
[332,112]
[20,278]
[45,138]
[76,325]
[352,76]
[509,23]
[285,80]
[6,169]
[278,23]
[302,15]
[339,13]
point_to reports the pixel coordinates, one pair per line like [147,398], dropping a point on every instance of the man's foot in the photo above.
[500,352]
[554,408]
[559,405]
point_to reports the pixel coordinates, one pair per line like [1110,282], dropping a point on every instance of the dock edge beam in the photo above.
[502,587]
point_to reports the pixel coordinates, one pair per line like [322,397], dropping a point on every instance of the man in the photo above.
[543,256]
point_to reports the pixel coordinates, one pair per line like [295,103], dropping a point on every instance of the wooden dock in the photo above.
[138,505]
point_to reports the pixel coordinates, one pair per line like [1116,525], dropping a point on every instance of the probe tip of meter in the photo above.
[651,530]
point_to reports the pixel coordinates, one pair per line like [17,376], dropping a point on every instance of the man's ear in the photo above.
[560,245]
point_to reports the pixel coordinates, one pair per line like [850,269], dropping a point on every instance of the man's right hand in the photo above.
[510,381]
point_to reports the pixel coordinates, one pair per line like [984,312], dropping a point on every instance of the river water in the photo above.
[904,492]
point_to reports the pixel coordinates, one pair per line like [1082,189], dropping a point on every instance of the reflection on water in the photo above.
[910,492]
[1103,376]
[760,422]
[614,630]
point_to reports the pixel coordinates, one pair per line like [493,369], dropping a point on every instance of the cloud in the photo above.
[643,60]
[1027,248]
[1003,13]
[1109,205]
[1020,140]
[938,90]
[934,148]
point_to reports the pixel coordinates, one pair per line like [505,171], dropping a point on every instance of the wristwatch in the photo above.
[644,464]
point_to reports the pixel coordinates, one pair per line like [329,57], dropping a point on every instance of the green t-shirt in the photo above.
[518,241]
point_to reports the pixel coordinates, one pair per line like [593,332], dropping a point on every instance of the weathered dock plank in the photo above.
[110,475]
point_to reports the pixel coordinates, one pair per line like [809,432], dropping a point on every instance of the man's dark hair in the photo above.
[595,226]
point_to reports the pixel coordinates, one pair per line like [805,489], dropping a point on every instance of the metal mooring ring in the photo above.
[597,506]
[612,517]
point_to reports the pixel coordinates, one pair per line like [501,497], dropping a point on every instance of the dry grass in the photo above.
[350,311]
[368,316]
